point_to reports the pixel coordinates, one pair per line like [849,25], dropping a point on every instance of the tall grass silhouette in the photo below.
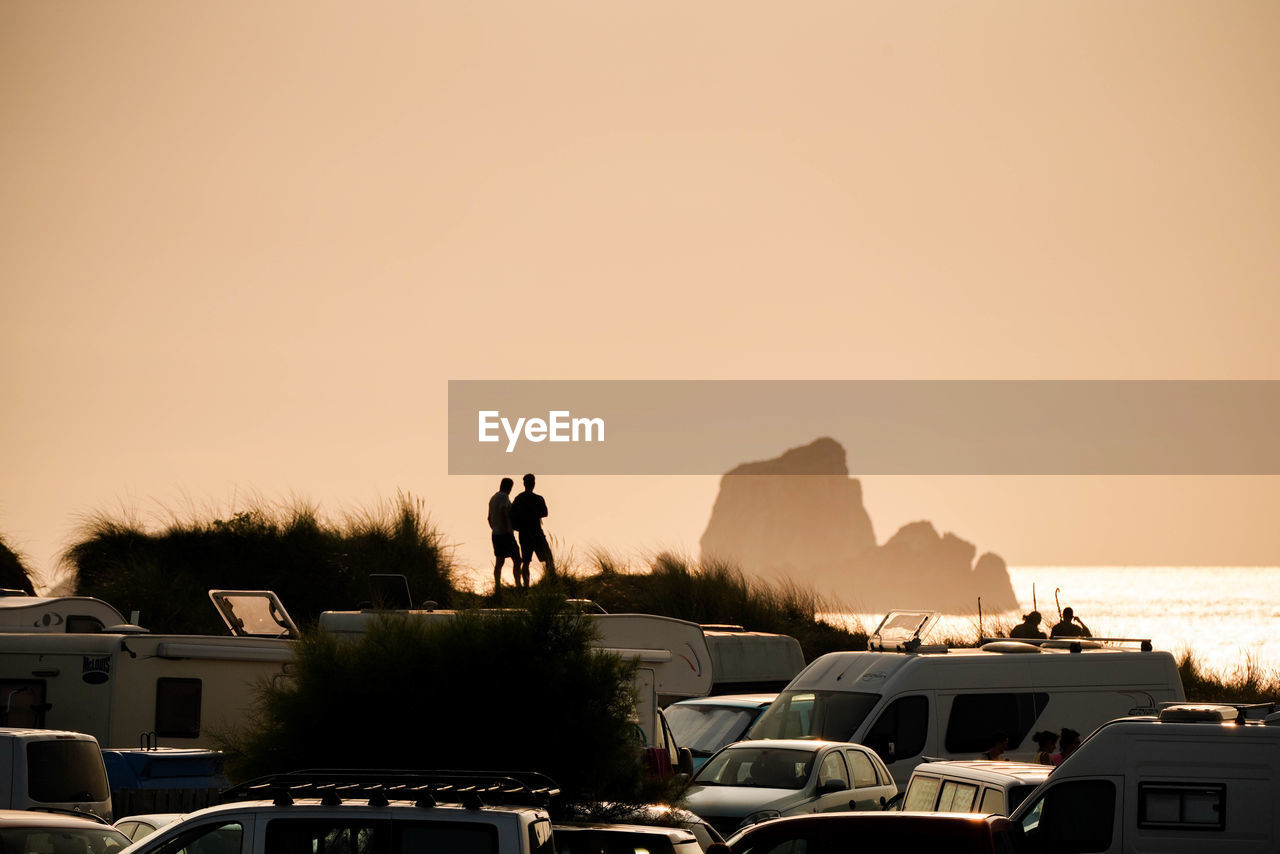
[313,564]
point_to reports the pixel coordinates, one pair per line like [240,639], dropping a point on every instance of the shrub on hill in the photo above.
[515,690]
[13,573]
[712,592]
[314,565]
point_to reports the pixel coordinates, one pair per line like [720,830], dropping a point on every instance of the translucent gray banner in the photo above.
[998,427]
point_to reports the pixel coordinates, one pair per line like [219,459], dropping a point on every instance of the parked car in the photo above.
[588,838]
[354,811]
[141,826]
[706,724]
[657,815]
[35,832]
[47,769]
[954,833]
[972,785]
[752,781]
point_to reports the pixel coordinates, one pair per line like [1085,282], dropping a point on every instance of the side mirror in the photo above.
[892,803]
[685,763]
[832,784]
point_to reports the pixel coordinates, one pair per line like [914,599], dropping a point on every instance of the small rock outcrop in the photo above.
[801,516]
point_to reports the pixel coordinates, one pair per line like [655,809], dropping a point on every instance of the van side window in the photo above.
[324,836]
[79,624]
[177,707]
[1188,806]
[22,703]
[1072,818]
[922,792]
[993,802]
[431,837]
[976,717]
[957,797]
[904,726]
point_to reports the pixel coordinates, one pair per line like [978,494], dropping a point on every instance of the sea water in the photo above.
[1226,616]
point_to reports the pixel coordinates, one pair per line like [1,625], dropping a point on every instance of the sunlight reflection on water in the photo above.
[1224,615]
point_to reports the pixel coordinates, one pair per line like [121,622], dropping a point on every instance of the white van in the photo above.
[52,769]
[1194,778]
[951,703]
[973,785]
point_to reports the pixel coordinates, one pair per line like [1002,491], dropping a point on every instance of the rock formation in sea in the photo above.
[800,516]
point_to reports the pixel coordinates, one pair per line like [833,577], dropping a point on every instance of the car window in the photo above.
[833,768]
[224,838]
[957,797]
[902,729]
[922,793]
[761,767]
[993,802]
[1072,816]
[438,837]
[62,840]
[864,773]
[325,836]
[771,844]
[128,828]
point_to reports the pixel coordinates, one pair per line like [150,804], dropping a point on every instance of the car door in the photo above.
[872,785]
[832,783]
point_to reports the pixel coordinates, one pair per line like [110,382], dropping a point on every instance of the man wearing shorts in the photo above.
[504,541]
[527,512]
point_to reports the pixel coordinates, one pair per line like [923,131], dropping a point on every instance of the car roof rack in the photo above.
[333,786]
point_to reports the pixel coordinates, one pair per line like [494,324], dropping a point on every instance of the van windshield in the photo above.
[831,715]
[704,729]
[66,771]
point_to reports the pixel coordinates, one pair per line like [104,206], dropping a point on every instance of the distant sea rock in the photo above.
[801,516]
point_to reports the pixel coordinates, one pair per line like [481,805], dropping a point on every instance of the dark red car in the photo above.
[846,833]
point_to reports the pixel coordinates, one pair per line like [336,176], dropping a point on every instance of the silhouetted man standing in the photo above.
[504,538]
[527,512]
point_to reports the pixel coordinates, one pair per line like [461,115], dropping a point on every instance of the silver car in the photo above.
[752,781]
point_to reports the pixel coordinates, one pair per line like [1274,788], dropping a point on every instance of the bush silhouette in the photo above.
[513,690]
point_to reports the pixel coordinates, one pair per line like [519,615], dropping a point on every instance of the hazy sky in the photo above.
[245,245]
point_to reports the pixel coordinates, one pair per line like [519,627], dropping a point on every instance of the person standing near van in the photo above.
[503,535]
[1071,626]
[999,744]
[527,512]
[1046,740]
[1070,741]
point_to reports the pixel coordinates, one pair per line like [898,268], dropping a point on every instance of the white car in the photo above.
[752,781]
[141,826]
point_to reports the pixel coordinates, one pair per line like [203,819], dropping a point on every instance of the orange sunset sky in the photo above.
[245,245]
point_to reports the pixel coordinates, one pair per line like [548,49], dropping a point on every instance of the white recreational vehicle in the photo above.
[950,703]
[126,686]
[1193,778]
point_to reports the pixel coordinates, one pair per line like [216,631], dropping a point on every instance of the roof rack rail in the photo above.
[472,789]
[1144,644]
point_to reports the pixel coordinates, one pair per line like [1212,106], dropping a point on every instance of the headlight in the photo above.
[758,816]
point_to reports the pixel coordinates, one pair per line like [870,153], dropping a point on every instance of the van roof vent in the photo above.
[1198,713]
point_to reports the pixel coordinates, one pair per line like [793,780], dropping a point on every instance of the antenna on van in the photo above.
[1034,607]
[1057,603]
[979,616]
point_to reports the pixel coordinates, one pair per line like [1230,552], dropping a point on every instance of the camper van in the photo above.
[129,688]
[44,769]
[744,662]
[65,614]
[945,703]
[1192,778]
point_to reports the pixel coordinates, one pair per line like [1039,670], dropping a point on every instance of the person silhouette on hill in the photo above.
[1071,626]
[527,512]
[1029,627]
[503,535]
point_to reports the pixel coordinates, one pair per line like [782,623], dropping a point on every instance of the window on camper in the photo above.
[976,718]
[901,729]
[177,707]
[1182,806]
[22,703]
[833,715]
